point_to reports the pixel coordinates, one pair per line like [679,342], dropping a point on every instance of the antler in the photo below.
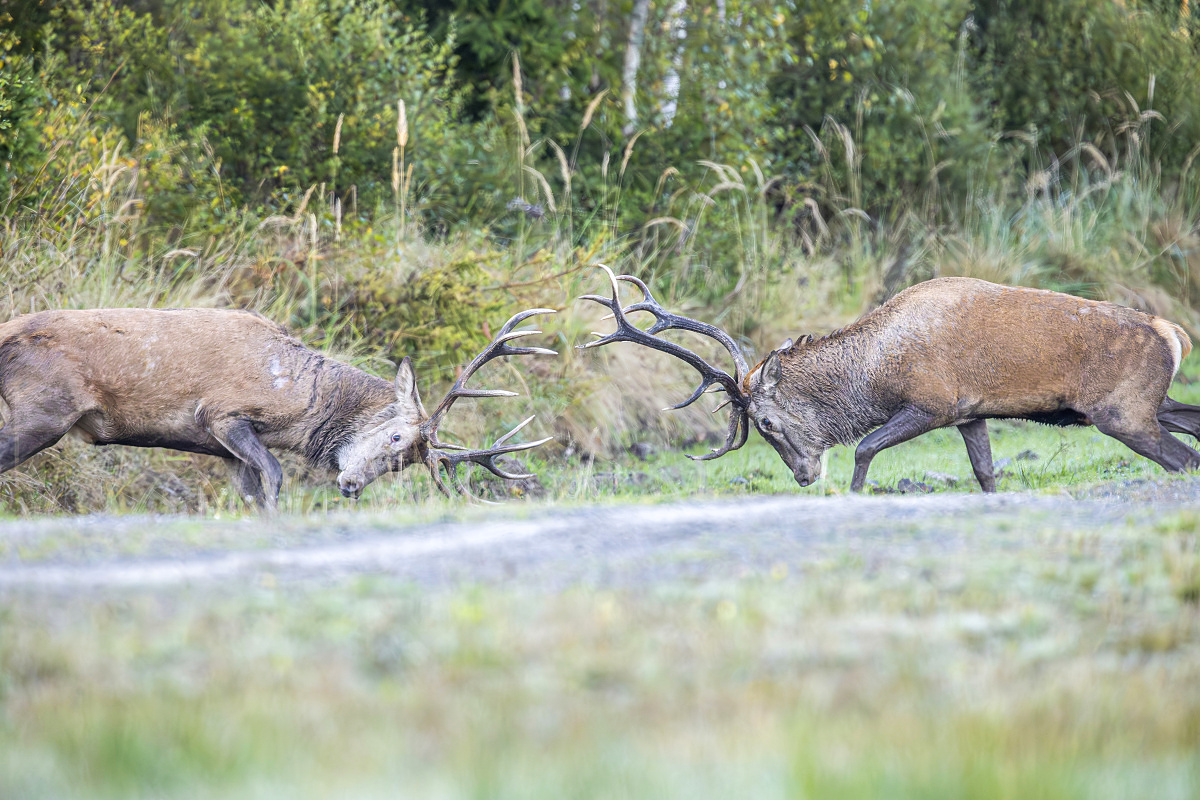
[739,427]
[449,456]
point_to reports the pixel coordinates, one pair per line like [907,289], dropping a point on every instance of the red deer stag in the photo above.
[230,384]
[947,352]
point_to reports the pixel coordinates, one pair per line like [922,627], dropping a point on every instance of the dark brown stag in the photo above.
[947,352]
[229,384]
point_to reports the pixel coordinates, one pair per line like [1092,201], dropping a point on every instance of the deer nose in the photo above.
[351,485]
[804,477]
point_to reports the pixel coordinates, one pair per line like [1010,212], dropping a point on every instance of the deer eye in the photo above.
[766,423]
[396,437]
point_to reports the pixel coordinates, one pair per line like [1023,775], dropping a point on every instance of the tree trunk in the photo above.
[633,59]
[671,84]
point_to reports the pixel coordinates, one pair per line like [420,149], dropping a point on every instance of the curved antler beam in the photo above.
[628,332]
[710,376]
[445,456]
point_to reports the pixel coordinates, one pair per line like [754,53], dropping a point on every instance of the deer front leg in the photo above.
[238,436]
[908,423]
[979,448]
[247,482]
[20,442]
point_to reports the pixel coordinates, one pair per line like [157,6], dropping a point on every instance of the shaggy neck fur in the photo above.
[835,377]
[347,401]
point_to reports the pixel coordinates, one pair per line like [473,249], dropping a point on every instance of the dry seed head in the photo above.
[517,88]
[725,186]
[545,184]
[401,124]
[1097,157]
[564,170]
[337,133]
[815,210]
[521,126]
[629,152]
[396,170]
[304,202]
[591,109]
[668,172]
[666,221]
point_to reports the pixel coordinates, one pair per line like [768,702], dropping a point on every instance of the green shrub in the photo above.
[21,98]
[263,86]
[1056,69]
[888,77]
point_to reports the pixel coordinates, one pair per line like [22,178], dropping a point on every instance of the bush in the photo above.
[265,86]
[1059,69]
[21,99]
[889,78]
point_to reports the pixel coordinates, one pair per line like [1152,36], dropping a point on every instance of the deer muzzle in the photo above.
[806,471]
[351,485]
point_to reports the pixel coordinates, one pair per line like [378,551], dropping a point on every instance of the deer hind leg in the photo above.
[1180,417]
[979,449]
[1149,438]
[238,437]
[908,423]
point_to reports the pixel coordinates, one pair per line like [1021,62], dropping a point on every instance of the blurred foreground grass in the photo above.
[1016,657]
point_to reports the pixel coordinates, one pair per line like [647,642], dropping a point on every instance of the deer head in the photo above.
[751,394]
[403,433]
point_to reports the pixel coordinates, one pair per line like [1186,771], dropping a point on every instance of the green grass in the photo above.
[1036,661]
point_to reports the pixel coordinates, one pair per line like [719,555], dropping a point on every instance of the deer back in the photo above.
[962,348]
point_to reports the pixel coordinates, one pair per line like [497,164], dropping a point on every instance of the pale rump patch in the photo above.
[1177,339]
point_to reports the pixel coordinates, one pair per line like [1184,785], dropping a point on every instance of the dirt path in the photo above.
[550,548]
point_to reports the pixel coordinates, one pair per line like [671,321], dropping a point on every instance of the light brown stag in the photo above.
[946,352]
[231,384]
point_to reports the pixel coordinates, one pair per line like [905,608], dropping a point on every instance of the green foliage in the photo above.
[21,95]
[263,87]
[877,93]
[1058,68]
[546,35]
[439,315]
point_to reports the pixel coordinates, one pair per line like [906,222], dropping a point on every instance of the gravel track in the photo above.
[608,545]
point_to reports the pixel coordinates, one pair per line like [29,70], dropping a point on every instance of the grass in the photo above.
[1031,659]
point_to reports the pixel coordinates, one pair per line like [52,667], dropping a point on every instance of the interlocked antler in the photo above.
[449,456]
[739,427]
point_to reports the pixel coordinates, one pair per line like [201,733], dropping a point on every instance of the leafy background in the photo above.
[395,178]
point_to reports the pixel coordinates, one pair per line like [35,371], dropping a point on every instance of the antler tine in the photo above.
[739,421]
[448,459]
[710,377]
[628,332]
[444,456]
[665,320]
[498,348]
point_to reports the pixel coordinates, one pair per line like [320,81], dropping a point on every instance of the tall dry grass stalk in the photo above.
[401,177]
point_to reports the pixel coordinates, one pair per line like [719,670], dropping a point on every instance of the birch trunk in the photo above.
[633,59]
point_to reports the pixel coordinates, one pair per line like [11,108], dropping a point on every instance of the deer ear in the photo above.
[406,385]
[772,371]
[787,345]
